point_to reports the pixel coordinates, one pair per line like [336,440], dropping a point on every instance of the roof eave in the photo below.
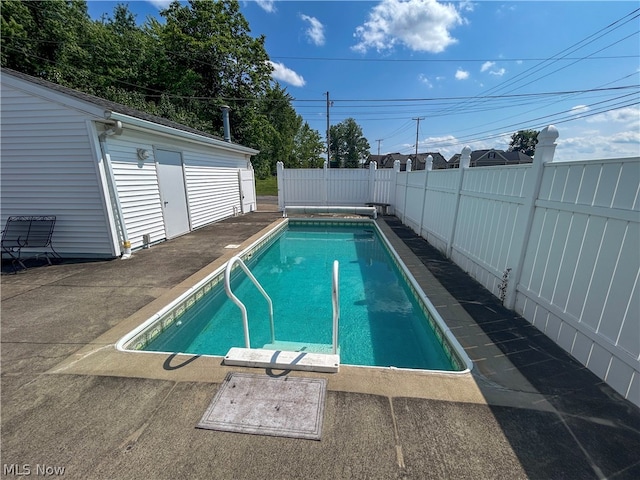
[139,123]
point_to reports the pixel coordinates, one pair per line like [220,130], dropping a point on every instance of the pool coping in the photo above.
[101,357]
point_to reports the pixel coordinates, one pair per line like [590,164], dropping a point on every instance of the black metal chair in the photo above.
[28,232]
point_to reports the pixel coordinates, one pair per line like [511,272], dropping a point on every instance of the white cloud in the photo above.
[498,72]
[160,4]
[593,145]
[315,32]
[467,6]
[462,74]
[424,79]
[579,109]
[505,9]
[629,115]
[486,66]
[420,25]
[284,74]
[267,5]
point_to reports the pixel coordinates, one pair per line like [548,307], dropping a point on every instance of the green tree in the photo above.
[348,147]
[524,141]
[308,147]
[270,125]
[45,38]
[211,55]
[17,44]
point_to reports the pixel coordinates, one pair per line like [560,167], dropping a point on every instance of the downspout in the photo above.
[115,129]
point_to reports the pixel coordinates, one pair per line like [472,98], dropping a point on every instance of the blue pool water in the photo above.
[381,321]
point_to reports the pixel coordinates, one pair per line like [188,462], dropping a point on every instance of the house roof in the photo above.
[390,158]
[387,160]
[484,158]
[439,162]
[374,158]
[114,107]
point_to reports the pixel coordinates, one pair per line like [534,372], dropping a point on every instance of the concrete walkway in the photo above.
[70,401]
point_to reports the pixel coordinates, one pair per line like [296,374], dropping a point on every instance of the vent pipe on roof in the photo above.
[225,123]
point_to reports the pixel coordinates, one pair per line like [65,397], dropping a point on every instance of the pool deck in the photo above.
[69,399]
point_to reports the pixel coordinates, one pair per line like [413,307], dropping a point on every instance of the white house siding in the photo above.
[214,193]
[49,168]
[137,187]
[213,186]
[211,178]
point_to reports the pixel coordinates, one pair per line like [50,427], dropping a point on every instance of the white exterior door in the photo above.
[173,194]
[247,190]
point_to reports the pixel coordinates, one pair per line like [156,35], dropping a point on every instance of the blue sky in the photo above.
[473,72]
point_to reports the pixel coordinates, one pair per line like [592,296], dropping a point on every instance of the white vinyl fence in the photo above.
[333,186]
[558,242]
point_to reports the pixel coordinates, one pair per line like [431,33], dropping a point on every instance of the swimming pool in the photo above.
[386,320]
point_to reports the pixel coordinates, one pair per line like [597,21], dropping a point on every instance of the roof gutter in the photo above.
[163,130]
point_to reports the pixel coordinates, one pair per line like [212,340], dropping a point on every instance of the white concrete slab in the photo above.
[283,360]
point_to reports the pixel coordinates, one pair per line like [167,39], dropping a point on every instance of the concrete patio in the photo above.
[70,401]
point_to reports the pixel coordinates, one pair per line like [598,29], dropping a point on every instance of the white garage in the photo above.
[114,177]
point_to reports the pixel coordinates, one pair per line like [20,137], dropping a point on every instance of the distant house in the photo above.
[388,160]
[112,175]
[488,158]
[374,158]
[439,162]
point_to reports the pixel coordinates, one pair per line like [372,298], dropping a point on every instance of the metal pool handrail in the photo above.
[335,296]
[236,300]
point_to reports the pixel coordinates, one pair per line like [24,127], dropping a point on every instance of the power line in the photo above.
[444,60]
[556,57]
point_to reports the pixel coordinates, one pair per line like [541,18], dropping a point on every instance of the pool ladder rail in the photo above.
[236,300]
[281,359]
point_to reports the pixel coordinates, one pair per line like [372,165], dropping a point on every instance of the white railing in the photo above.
[335,297]
[236,300]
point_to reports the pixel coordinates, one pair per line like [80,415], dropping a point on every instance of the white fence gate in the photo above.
[247,182]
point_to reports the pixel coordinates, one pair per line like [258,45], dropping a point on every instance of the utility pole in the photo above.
[417,130]
[328,134]
[379,144]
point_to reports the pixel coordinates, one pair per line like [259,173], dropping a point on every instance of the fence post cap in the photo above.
[548,135]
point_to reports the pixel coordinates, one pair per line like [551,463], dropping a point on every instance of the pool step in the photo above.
[325,348]
[282,360]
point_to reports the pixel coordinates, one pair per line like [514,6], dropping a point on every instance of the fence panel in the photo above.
[384,181]
[334,186]
[491,219]
[399,204]
[579,282]
[439,208]
[303,187]
[347,186]
[414,199]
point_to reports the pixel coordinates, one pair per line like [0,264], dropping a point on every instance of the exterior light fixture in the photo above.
[143,154]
